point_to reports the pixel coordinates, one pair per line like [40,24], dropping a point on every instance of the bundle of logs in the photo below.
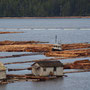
[81,64]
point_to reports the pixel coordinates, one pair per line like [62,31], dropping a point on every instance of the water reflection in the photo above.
[48,84]
[76,81]
[3,87]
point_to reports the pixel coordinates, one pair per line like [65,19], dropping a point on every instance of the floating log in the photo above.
[9,32]
[19,55]
[77,71]
[29,68]
[16,69]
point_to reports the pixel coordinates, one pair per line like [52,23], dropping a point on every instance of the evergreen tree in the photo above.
[44,8]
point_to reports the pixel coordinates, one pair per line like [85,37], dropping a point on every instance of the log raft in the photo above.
[39,78]
[11,78]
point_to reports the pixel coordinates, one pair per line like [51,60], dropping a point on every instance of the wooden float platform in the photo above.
[30,76]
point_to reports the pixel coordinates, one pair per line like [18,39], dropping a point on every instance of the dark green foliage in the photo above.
[44,8]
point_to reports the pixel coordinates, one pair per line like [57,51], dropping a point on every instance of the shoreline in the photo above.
[66,17]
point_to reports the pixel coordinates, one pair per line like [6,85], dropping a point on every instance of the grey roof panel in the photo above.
[50,63]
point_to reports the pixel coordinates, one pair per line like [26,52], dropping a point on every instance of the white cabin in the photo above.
[47,68]
[2,71]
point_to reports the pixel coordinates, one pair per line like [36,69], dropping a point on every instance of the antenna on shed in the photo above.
[55,38]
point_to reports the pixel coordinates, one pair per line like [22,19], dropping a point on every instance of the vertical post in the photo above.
[55,38]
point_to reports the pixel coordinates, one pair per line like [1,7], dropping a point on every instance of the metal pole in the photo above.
[56,39]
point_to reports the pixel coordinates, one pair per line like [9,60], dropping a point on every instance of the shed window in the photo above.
[44,69]
[38,68]
[54,69]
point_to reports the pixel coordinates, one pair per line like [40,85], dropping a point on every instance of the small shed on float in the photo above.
[47,68]
[2,71]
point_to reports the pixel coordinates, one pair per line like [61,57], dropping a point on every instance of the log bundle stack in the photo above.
[30,76]
[26,48]
[75,46]
[36,46]
[69,53]
[68,50]
[81,64]
[7,42]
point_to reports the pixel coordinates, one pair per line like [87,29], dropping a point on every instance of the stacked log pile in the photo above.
[69,53]
[7,42]
[36,46]
[29,76]
[75,46]
[26,48]
[81,64]
[68,50]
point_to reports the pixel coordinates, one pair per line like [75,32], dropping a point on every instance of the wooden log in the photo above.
[9,32]
[29,68]
[31,77]
[81,64]
[19,55]
[77,71]
[16,69]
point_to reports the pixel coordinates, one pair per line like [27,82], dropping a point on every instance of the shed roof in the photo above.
[2,67]
[50,64]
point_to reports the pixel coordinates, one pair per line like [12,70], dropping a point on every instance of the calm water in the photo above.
[67,30]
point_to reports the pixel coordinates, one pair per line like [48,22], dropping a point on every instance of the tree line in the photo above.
[44,8]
